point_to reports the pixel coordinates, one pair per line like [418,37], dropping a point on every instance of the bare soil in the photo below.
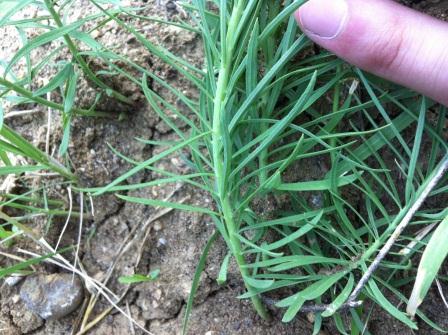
[174,241]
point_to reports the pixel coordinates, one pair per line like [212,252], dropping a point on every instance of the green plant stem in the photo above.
[218,155]
[82,63]
[29,95]
[241,262]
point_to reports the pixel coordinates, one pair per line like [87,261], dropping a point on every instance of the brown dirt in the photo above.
[436,8]
[175,240]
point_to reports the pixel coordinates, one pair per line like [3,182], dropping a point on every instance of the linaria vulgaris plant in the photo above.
[270,104]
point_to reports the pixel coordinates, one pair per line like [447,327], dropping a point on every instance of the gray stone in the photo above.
[13,280]
[52,296]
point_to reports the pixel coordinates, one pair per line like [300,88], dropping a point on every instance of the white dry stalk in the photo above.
[353,87]
[131,326]
[420,236]
[70,206]
[20,113]
[442,295]
[81,210]
[440,172]
[42,174]
[92,208]
[47,135]
[11,180]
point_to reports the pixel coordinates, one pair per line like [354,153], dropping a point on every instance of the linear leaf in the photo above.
[435,253]
[341,298]
[388,306]
[167,204]
[316,185]
[195,284]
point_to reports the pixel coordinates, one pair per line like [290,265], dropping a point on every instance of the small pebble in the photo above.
[170,6]
[13,280]
[310,317]
[157,226]
[316,200]
[52,296]
[161,242]
[157,294]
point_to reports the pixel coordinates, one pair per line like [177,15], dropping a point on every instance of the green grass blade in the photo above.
[388,306]
[167,204]
[317,185]
[432,259]
[341,298]
[222,276]
[415,151]
[148,162]
[195,284]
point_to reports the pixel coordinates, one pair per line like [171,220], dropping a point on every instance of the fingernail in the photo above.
[323,18]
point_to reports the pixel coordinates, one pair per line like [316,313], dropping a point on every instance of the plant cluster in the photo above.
[270,103]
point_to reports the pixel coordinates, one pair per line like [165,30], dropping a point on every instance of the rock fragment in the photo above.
[52,296]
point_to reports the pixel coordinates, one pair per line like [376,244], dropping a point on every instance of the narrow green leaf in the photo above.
[139,278]
[11,9]
[432,259]
[258,283]
[388,306]
[297,260]
[297,234]
[150,161]
[293,309]
[19,169]
[166,204]
[298,44]
[195,284]
[415,151]
[257,248]
[314,290]
[222,276]
[317,185]
[291,220]
[63,147]
[279,127]
[57,81]
[41,40]
[341,298]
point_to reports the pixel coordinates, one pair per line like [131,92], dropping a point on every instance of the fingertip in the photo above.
[384,38]
[323,19]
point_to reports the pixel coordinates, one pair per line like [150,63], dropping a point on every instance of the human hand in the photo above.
[384,38]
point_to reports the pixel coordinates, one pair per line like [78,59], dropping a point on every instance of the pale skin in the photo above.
[384,38]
